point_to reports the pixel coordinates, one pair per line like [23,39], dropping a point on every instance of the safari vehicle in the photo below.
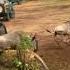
[6,10]
[15,1]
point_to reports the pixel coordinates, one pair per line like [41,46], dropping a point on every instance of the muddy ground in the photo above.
[36,17]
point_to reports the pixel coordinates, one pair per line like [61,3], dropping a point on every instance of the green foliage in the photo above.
[32,65]
[17,63]
[25,42]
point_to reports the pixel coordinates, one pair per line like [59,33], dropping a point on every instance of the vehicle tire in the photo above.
[3,29]
[7,17]
[12,13]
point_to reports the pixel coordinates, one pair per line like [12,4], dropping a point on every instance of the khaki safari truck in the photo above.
[6,10]
[16,1]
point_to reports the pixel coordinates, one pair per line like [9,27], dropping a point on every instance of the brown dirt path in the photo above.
[35,17]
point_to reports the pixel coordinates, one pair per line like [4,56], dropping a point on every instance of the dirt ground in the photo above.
[35,17]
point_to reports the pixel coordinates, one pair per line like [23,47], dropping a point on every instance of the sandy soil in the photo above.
[35,17]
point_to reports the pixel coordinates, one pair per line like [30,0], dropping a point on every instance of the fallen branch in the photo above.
[39,58]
